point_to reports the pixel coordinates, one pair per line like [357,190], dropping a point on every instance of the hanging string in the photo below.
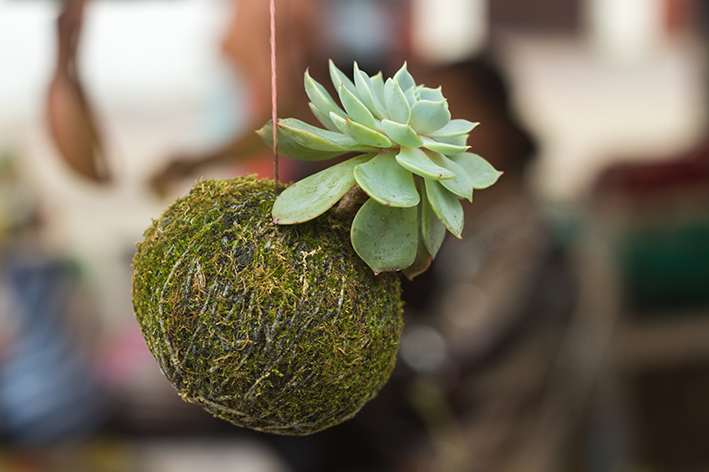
[274,118]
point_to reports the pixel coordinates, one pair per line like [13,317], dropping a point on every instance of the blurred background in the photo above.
[567,331]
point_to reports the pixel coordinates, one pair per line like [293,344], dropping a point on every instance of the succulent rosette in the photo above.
[411,160]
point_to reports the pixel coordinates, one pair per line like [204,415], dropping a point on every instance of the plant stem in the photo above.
[354,198]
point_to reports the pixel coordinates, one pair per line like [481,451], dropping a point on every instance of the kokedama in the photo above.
[280,329]
[288,328]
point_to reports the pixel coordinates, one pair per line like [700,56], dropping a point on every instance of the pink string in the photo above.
[273,92]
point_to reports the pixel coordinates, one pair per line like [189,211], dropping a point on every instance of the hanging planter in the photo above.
[279,313]
[279,329]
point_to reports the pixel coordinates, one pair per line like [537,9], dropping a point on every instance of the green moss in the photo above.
[277,328]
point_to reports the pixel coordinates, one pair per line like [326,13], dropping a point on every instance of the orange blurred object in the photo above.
[71,120]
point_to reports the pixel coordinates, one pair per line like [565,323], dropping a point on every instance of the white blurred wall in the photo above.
[590,109]
[449,30]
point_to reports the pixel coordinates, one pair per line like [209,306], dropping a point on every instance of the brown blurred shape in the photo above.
[71,120]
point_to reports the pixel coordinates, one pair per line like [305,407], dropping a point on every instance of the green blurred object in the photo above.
[666,267]
[658,212]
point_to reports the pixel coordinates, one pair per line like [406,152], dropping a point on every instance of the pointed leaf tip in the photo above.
[317,139]
[396,103]
[360,133]
[295,148]
[367,93]
[401,134]
[404,78]
[480,172]
[339,78]
[443,147]
[417,161]
[454,128]
[460,185]
[355,108]
[320,97]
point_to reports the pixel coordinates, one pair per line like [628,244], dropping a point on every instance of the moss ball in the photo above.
[280,329]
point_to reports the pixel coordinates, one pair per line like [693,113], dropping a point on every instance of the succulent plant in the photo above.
[411,160]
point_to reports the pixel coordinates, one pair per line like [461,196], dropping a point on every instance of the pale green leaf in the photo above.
[428,116]
[446,206]
[403,135]
[292,148]
[480,172]
[383,179]
[416,161]
[320,97]
[460,184]
[410,95]
[314,195]
[385,237]
[461,140]
[365,91]
[339,78]
[322,118]
[318,139]
[432,230]
[454,128]
[426,93]
[396,103]
[378,87]
[444,148]
[354,107]
[421,263]
[406,81]
[360,133]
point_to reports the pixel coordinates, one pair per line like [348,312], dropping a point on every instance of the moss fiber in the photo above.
[280,329]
